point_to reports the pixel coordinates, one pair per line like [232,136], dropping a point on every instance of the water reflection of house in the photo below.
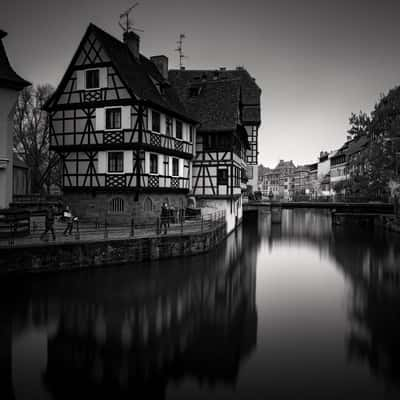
[133,331]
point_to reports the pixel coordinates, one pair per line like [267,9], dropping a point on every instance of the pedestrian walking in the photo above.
[49,222]
[68,218]
[164,218]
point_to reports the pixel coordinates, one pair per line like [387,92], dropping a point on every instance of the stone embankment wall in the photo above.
[67,256]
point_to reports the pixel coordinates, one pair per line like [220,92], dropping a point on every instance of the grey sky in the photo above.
[315,60]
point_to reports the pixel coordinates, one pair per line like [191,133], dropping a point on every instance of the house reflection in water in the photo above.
[130,331]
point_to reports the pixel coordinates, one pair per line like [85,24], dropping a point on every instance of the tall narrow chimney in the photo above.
[161,62]
[132,40]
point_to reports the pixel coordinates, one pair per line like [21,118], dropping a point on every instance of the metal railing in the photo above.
[105,229]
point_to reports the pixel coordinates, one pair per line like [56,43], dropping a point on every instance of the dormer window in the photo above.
[92,79]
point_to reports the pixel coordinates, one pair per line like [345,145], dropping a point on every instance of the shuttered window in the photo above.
[92,79]
[113,118]
[116,161]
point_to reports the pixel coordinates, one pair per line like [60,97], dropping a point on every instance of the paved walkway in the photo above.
[88,233]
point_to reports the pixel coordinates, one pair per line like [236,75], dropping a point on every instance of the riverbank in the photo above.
[95,252]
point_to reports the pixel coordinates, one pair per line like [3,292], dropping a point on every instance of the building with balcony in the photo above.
[227,105]
[124,137]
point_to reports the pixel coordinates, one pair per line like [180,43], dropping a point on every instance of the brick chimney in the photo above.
[161,62]
[132,40]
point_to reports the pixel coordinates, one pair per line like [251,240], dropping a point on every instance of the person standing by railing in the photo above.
[49,222]
[67,217]
[164,217]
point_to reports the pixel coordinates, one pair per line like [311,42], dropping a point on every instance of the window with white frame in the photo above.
[169,126]
[155,121]
[92,79]
[179,130]
[115,161]
[113,118]
[153,163]
[175,167]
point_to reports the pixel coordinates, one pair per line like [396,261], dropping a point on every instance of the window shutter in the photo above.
[80,80]
[126,117]
[103,78]
[100,119]
[102,163]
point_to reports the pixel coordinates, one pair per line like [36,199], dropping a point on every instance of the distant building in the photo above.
[10,85]
[323,173]
[313,184]
[348,161]
[301,181]
[278,182]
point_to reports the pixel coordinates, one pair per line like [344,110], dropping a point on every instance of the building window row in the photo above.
[156,126]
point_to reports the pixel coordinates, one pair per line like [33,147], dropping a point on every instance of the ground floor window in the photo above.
[117,205]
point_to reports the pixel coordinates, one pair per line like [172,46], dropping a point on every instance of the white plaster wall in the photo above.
[7,100]
[209,206]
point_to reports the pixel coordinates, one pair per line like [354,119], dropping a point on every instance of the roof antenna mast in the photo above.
[125,22]
[179,49]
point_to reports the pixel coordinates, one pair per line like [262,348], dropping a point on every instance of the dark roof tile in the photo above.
[8,77]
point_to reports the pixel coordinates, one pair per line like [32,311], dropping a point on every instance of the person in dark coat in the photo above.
[164,217]
[49,222]
[68,218]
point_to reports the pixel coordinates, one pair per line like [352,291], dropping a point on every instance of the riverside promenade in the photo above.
[103,244]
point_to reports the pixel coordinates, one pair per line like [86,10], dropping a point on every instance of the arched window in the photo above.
[117,205]
[148,204]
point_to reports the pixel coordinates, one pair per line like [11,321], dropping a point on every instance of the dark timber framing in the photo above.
[73,134]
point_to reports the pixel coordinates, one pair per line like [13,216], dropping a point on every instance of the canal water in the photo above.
[299,310]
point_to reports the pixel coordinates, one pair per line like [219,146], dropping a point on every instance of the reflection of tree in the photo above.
[370,260]
[375,308]
[133,330]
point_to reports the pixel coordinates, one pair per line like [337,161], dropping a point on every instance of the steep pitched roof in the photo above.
[216,106]
[137,75]
[250,91]
[8,77]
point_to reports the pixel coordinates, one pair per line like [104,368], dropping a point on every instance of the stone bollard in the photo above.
[276,213]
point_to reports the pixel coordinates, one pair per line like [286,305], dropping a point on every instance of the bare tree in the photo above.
[32,137]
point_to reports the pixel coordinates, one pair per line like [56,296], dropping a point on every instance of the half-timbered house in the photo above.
[224,141]
[123,135]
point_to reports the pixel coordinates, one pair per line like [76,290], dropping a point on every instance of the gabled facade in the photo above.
[10,85]
[216,100]
[124,137]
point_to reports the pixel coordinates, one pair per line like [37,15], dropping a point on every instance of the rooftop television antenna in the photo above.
[126,22]
[179,49]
